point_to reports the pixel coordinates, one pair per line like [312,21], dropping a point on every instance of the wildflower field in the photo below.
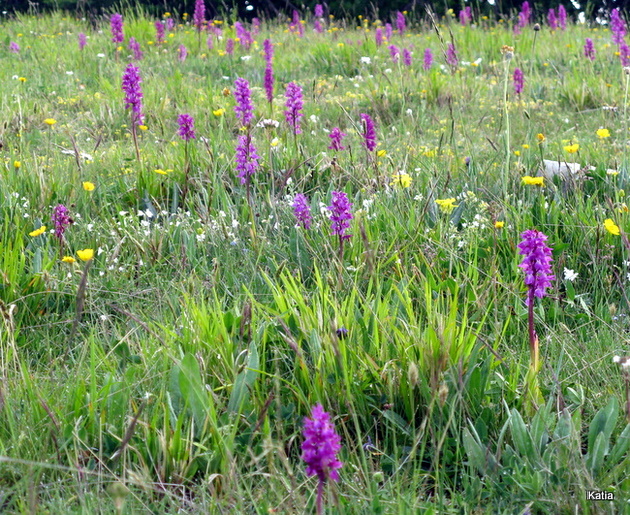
[312,265]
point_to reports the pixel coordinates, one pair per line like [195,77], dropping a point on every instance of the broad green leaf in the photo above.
[621,446]
[194,392]
[603,422]
[474,450]
[520,435]
[245,380]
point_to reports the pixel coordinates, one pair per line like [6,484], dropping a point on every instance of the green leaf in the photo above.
[474,450]
[194,392]
[603,423]
[621,446]
[397,421]
[520,435]
[245,380]
[596,455]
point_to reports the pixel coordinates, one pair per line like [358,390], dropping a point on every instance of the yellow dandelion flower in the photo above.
[218,112]
[533,181]
[68,259]
[446,205]
[572,149]
[38,232]
[88,186]
[611,226]
[143,127]
[401,179]
[499,224]
[85,254]
[160,171]
[17,164]
[50,121]
[541,137]
[381,153]
[603,133]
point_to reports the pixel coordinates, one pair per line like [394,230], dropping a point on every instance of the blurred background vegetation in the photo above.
[340,8]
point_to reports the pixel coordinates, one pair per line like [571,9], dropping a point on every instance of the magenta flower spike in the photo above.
[319,11]
[552,19]
[589,49]
[82,40]
[14,47]
[246,158]
[401,23]
[378,36]
[369,132]
[617,27]
[61,220]
[302,211]
[229,46]
[562,17]
[394,53]
[116,26]
[536,264]
[159,32]
[336,137]
[294,105]
[199,15]
[133,93]
[340,215]
[519,81]
[319,450]
[428,59]
[134,46]
[451,56]
[244,108]
[186,127]
[406,57]
[182,53]
[389,31]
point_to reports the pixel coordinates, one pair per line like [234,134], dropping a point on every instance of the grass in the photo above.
[174,369]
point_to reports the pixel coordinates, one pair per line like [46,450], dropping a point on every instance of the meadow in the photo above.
[209,227]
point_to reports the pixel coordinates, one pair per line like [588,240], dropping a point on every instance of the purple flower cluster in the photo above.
[268,81]
[199,15]
[321,445]
[134,46]
[116,26]
[340,215]
[617,27]
[186,127]
[319,11]
[61,220]
[82,41]
[246,158]
[465,15]
[182,53]
[294,105]
[336,137]
[552,19]
[519,81]
[378,36]
[394,52]
[562,17]
[159,32]
[369,132]
[317,26]
[229,46]
[244,108]
[14,47]
[401,23]
[170,24]
[428,59]
[389,31]
[133,93]
[406,57]
[525,15]
[589,49]
[451,56]
[243,35]
[624,53]
[302,211]
[536,264]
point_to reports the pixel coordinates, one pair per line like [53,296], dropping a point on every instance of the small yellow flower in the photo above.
[517,153]
[38,232]
[572,149]
[603,133]
[381,153]
[533,181]
[275,142]
[143,127]
[50,121]
[611,226]
[68,259]
[22,79]
[226,92]
[218,112]
[401,179]
[85,254]
[499,225]
[88,186]
[525,146]
[446,205]
[160,171]
[541,137]
[17,164]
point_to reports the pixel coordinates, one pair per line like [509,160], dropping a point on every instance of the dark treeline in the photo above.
[383,9]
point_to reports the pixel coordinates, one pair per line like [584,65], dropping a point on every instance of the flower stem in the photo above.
[320,497]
